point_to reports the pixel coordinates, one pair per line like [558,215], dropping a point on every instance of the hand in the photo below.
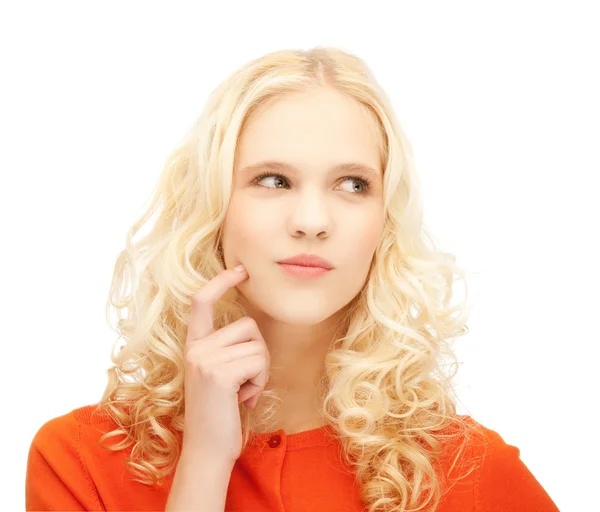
[222,369]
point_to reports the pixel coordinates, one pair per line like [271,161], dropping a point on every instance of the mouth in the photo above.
[303,270]
[308,260]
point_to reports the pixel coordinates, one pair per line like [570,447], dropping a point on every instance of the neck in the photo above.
[297,368]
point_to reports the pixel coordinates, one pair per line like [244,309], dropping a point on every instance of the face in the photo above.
[316,209]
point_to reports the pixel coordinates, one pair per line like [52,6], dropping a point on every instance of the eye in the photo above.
[278,177]
[364,182]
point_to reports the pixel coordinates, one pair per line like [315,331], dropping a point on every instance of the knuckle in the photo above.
[265,358]
[248,322]
[192,361]
[208,373]
[257,349]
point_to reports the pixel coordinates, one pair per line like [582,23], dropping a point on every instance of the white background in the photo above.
[499,99]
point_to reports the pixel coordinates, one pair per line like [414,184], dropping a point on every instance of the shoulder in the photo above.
[66,428]
[501,477]
[489,449]
[480,442]
[484,443]
[57,475]
[80,436]
[62,436]
[84,415]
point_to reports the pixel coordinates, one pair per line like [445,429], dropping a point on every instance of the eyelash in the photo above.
[366,181]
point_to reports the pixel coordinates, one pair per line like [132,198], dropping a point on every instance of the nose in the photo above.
[310,216]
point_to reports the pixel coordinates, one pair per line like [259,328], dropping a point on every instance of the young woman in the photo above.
[310,380]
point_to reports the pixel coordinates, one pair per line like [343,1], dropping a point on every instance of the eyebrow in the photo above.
[275,165]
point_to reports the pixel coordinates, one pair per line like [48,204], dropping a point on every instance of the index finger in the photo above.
[200,323]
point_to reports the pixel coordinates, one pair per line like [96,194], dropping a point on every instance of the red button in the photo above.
[275,441]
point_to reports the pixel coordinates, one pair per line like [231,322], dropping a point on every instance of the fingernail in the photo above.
[240,268]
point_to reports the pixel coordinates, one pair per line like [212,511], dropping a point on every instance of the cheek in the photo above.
[363,234]
[249,227]
[361,243]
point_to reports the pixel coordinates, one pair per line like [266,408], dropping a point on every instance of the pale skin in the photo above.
[313,210]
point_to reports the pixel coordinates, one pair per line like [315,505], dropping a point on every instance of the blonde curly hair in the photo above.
[385,394]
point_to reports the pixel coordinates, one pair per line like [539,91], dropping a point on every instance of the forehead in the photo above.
[320,127]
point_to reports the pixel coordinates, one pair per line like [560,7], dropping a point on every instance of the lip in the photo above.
[307,260]
[303,271]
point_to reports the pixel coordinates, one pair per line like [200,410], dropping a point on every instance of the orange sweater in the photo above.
[68,470]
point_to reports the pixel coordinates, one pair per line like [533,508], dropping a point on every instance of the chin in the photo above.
[306,319]
[287,304]
[301,316]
